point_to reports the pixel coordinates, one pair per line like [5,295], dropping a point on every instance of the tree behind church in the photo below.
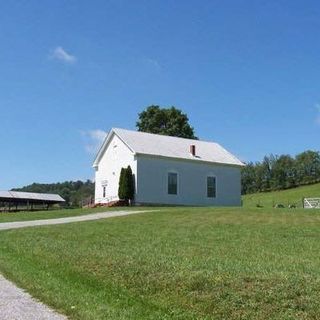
[166,121]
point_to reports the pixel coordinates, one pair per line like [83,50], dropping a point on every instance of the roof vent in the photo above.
[193,149]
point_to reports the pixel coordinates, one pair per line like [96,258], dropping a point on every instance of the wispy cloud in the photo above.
[93,140]
[153,63]
[318,113]
[62,55]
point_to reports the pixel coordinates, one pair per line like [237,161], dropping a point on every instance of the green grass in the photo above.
[51,214]
[285,197]
[177,263]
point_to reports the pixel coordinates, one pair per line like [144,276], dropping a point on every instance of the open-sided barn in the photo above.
[13,200]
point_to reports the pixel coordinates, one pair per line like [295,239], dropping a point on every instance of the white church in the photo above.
[167,170]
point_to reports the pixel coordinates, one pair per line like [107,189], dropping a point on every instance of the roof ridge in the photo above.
[164,135]
[147,143]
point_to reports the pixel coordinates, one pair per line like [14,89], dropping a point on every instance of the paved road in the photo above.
[16,304]
[87,217]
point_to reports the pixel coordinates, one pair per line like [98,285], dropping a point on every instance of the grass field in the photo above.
[178,263]
[285,197]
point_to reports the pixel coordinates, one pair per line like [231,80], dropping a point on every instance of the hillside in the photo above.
[285,197]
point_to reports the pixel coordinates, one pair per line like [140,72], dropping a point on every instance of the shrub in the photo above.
[121,193]
[126,185]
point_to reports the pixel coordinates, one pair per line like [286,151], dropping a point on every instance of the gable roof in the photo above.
[170,147]
[18,195]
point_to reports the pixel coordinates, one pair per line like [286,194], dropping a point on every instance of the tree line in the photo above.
[281,172]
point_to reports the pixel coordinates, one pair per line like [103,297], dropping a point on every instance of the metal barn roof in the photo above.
[172,147]
[17,195]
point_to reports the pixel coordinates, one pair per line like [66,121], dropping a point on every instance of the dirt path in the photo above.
[87,217]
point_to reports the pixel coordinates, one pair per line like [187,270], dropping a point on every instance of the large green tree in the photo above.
[283,173]
[248,179]
[166,121]
[308,166]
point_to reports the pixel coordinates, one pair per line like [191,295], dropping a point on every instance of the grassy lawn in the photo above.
[51,214]
[285,197]
[178,263]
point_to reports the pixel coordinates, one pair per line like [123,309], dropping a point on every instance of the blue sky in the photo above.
[246,73]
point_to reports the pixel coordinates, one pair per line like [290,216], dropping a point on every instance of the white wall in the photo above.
[192,184]
[116,156]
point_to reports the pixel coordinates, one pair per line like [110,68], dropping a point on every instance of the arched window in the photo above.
[172,183]
[211,187]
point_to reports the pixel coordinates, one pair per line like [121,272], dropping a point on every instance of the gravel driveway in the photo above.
[16,304]
[87,217]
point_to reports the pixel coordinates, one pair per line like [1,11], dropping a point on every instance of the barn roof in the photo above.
[171,147]
[17,195]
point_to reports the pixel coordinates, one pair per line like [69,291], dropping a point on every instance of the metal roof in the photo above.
[31,196]
[172,147]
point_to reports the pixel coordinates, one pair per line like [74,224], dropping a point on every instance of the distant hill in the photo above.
[285,197]
[72,191]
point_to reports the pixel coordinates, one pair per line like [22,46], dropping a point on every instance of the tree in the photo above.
[121,193]
[263,174]
[65,194]
[166,121]
[129,184]
[308,167]
[126,184]
[248,179]
[283,173]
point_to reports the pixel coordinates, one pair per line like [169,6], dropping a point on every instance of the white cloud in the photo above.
[318,114]
[153,63]
[93,140]
[62,55]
